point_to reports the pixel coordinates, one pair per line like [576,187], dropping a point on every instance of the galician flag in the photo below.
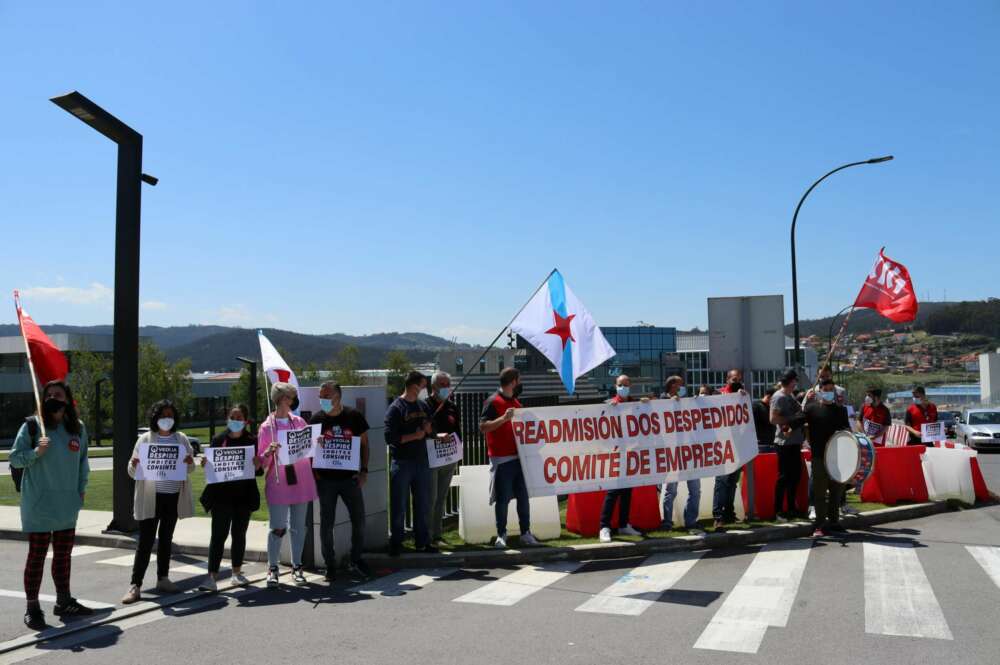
[274,365]
[557,324]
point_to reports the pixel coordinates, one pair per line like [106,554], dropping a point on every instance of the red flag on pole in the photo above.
[889,290]
[49,362]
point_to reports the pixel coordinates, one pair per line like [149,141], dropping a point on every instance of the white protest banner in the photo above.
[930,432]
[226,464]
[568,449]
[161,461]
[446,450]
[297,444]
[338,452]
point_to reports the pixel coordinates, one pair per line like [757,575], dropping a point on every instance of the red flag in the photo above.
[50,363]
[889,291]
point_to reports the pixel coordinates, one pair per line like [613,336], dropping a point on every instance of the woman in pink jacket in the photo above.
[289,488]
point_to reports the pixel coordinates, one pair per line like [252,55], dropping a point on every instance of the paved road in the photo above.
[922,591]
[990,465]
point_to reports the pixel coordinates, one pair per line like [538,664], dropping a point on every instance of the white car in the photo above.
[979,428]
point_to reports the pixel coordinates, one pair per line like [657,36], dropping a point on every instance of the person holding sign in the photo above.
[159,503]
[507,477]
[55,467]
[445,422]
[921,411]
[341,424]
[875,417]
[290,488]
[675,390]
[407,424]
[231,503]
[622,496]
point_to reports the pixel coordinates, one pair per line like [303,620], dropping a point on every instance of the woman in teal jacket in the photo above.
[52,489]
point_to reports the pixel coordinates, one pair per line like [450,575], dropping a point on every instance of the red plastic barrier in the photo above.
[765,475]
[898,476]
[583,511]
[978,482]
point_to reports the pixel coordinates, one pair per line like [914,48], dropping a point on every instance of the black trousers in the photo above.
[166,520]
[789,472]
[228,519]
[347,490]
[624,497]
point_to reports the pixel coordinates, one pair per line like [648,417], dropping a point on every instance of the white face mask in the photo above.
[422,394]
[682,391]
[165,424]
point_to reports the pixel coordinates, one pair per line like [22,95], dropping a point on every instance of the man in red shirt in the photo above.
[505,468]
[875,417]
[623,388]
[921,411]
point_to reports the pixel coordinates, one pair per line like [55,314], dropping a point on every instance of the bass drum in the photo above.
[850,457]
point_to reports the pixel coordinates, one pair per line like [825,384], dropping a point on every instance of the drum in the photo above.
[850,457]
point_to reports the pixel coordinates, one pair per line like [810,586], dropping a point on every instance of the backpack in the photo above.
[17,473]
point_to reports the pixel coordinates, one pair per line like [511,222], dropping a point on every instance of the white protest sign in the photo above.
[567,449]
[226,464]
[341,453]
[297,444]
[161,461]
[930,432]
[441,452]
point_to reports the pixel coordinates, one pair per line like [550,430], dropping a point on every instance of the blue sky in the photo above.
[370,167]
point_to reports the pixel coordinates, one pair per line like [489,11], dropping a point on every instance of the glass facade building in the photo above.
[645,353]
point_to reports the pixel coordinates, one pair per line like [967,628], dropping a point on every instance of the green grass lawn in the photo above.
[103,451]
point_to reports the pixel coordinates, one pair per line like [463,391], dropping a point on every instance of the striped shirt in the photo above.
[168,486]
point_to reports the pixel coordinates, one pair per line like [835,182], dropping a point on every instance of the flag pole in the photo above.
[270,410]
[499,335]
[31,364]
[843,328]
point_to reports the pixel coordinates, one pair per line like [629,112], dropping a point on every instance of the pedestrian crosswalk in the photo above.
[636,591]
[520,584]
[899,599]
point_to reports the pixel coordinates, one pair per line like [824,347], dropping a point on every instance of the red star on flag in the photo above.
[561,328]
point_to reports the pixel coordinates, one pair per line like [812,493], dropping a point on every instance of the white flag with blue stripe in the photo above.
[556,323]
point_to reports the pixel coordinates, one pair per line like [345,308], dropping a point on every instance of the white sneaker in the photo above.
[529,540]
[696,532]
[239,579]
[781,519]
[812,513]
[299,576]
[605,535]
[272,577]
[208,584]
[501,543]
[629,530]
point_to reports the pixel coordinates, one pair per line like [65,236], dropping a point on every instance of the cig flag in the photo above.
[275,366]
[889,291]
[49,362]
[556,323]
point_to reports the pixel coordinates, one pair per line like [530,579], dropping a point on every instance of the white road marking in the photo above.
[988,558]
[82,550]
[899,599]
[46,598]
[762,598]
[633,593]
[397,584]
[523,582]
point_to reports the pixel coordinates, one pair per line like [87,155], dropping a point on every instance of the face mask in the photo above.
[165,424]
[828,395]
[325,404]
[53,405]
[916,400]
[422,394]
[623,391]
[682,391]
[236,426]
[444,392]
[868,400]
[518,389]
[735,385]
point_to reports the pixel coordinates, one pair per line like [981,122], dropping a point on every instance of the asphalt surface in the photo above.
[905,593]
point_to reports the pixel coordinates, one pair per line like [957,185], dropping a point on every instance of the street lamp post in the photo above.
[126,318]
[252,367]
[795,217]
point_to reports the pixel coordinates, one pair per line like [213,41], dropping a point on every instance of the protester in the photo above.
[724,497]
[917,414]
[231,503]
[705,390]
[622,496]
[762,422]
[342,422]
[786,414]
[675,389]
[823,418]
[159,503]
[407,425]
[289,488]
[875,418]
[506,477]
[54,481]
[445,422]
[825,372]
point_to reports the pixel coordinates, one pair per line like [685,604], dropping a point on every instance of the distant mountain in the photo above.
[865,321]
[402,341]
[980,317]
[165,338]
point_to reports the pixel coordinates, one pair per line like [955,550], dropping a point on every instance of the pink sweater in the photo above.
[281,493]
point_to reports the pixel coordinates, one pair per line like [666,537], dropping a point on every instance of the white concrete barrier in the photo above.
[476,517]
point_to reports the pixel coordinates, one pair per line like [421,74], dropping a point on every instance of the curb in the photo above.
[617,550]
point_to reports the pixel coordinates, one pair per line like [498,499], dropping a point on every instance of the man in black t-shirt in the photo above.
[823,418]
[341,422]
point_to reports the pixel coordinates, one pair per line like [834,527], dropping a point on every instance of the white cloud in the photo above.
[95,294]
[154,306]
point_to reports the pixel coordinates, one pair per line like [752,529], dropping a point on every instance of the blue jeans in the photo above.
[406,475]
[508,483]
[724,499]
[283,518]
[690,508]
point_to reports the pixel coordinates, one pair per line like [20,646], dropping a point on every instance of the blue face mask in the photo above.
[916,400]
[236,426]
[325,404]
[623,391]
[444,392]
[682,391]
[828,396]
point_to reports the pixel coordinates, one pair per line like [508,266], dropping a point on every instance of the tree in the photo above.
[858,383]
[160,379]
[399,366]
[345,366]
[86,368]
[240,394]
[309,375]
